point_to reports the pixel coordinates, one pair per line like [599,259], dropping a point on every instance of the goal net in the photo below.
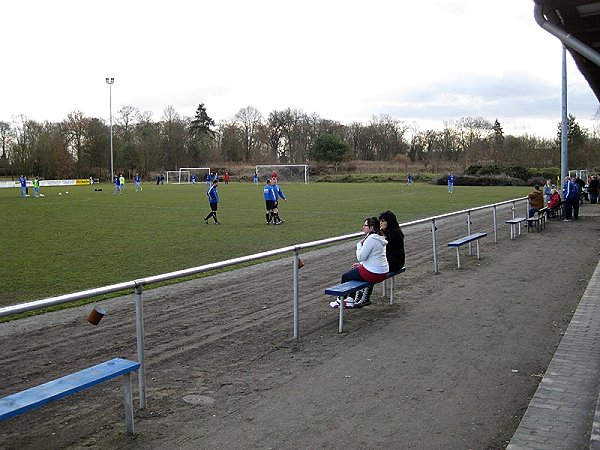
[198,172]
[288,173]
[177,176]
[185,174]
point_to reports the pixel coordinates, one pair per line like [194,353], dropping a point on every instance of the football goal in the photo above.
[199,172]
[184,175]
[288,173]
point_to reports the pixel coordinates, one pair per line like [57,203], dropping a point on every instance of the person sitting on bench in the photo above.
[394,251]
[536,200]
[554,199]
[372,265]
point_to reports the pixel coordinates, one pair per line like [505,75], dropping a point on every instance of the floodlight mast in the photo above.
[110,82]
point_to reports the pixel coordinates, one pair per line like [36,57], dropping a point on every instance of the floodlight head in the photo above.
[110,80]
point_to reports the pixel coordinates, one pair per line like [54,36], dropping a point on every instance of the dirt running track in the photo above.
[452,364]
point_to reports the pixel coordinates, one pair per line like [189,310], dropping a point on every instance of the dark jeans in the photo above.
[352,274]
[569,208]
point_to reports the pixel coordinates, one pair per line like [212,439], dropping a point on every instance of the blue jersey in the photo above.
[570,190]
[269,192]
[278,192]
[23,181]
[138,179]
[450,179]
[213,195]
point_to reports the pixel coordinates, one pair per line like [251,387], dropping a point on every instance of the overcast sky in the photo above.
[422,62]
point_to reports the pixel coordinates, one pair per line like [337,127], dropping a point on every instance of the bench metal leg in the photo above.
[458,257]
[383,287]
[128,403]
[392,291]
[477,248]
[341,321]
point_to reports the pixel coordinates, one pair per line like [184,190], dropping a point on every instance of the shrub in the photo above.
[470,180]
[540,181]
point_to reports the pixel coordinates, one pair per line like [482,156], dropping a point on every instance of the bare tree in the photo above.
[75,127]
[174,136]
[5,137]
[249,120]
[148,143]
[474,133]
[275,132]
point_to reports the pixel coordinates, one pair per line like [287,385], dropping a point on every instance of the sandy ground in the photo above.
[452,364]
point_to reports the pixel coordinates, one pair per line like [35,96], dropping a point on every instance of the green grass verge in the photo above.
[85,239]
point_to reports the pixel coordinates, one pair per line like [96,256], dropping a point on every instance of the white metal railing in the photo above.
[139,284]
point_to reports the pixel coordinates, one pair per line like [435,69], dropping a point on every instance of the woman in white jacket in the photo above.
[372,265]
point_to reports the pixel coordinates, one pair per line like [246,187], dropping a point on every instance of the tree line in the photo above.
[79,146]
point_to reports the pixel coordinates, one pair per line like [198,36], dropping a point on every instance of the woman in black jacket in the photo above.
[394,252]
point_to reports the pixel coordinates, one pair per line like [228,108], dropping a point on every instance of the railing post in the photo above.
[435,260]
[139,323]
[495,227]
[295,299]
[469,229]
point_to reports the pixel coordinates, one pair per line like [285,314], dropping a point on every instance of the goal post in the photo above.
[285,172]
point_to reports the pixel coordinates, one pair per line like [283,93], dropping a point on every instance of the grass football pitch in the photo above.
[85,239]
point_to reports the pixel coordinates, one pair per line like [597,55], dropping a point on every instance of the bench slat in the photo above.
[466,239]
[349,287]
[393,274]
[31,398]
[516,220]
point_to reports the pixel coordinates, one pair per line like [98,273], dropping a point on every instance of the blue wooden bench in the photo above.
[465,240]
[351,287]
[513,224]
[538,220]
[34,397]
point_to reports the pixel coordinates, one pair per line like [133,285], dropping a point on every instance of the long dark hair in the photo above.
[391,219]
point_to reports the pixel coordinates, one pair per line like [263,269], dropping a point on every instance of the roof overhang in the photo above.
[577,24]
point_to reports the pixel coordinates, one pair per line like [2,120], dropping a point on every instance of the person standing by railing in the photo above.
[547,191]
[571,195]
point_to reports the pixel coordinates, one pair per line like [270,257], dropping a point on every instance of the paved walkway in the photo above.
[561,413]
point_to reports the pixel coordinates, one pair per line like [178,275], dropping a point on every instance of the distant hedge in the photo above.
[528,176]
[472,180]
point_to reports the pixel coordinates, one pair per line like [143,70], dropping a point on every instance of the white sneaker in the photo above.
[348,302]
